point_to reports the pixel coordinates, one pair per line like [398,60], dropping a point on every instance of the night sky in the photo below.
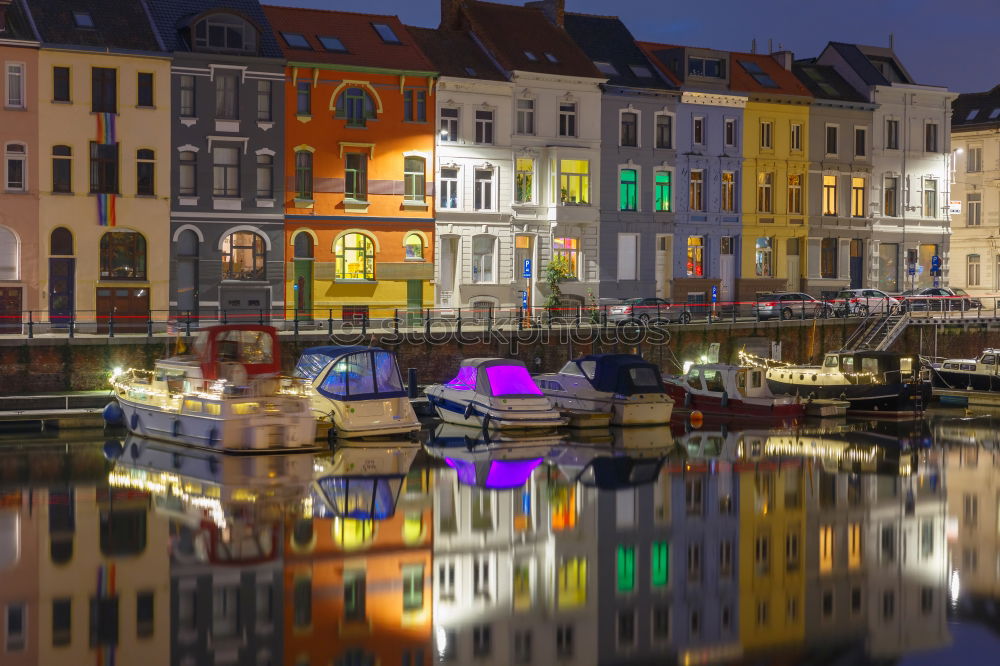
[951,43]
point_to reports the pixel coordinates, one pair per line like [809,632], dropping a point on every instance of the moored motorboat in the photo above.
[228,395]
[496,393]
[971,375]
[624,386]
[357,390]
[497,464]
[879,382]
[726,390]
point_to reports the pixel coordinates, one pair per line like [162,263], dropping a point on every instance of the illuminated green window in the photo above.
[663,186]
[627,188]
[626,568]
[661,563]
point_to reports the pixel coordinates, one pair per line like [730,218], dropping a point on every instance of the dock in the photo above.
[827,408]
[50,411]
[957,396]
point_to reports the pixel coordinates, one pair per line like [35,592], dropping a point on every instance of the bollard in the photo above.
[395,320]
[111,324]
[459,329]
[329,322]
[31,326]
[72,333]
[187,325]
[364,324]
[296,325]
[411,383]
[260,318]
[225,317]
[520,318]
[149,325]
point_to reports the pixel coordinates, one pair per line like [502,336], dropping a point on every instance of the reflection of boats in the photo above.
[358,390]
[493,392]
[624,386]
[611,468]
[227,396]
[720,389]
[503,464]
[447,435]
[871,381]
[644,437]
[363,481]
[37,462]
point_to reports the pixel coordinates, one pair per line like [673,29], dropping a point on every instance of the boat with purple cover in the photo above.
[493,393]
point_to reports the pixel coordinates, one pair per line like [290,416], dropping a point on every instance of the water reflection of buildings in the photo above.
[515,556]
[358,561]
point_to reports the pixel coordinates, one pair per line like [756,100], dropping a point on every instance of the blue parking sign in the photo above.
[715,293]
[935,263]
[524,300]
[527,269]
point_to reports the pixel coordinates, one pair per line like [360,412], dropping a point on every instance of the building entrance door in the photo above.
[127,307]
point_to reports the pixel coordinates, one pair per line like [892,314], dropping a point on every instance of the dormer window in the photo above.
[606,68]
[295,40]
[225,32]
[471,71]
[714,68]
[641,71]
[83,20]
[332,44]
[531,56]
[551,57]
[386,33]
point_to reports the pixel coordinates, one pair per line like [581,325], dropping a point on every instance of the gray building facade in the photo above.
[227,165]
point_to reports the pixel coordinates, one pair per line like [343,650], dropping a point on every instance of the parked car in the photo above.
[790,305]
[938,299]
[645,310]
[862,302]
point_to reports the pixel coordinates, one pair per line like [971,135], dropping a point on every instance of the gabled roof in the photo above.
[172,16]
[610,45]
[656,53]
[455,53]
[762,74]
[523,38]
[362,43]
[824,82]
[16,25]
[118,25]
[976,110]
[876,65]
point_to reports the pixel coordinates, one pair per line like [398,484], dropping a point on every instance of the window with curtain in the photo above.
[244,256]
[123,256]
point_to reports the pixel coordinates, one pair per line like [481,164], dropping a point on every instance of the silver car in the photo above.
[862,302]
[790,305]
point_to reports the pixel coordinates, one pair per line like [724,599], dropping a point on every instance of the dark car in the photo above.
[790,305]
[938,299]
[646,310]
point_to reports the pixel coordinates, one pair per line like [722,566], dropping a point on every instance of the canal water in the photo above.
[841,544]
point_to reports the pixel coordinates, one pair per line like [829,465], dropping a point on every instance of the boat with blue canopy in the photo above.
[357,390]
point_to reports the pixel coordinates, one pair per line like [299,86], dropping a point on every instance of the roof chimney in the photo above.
[892,42]
[784,57]
[753,45]
[4,4]
[449,13]
[555,10]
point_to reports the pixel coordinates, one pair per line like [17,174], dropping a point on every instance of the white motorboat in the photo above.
[358,391]
[361,481]
[495,393]
[228,395]
[624,386]
[496,464]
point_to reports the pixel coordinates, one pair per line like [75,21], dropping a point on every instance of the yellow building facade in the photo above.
[772,556]
[775,175]
[104,169]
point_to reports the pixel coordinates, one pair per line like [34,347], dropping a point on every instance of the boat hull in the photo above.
[885,398]
[748,409]
[260,433]
[638,410]
[965,381]
[473,410]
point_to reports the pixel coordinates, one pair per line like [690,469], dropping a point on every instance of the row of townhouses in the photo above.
[221,159]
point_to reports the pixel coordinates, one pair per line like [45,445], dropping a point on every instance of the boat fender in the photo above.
[213,437]
[134,451]
[135,421]
[687,399]
[725,398]
[486,426]
[113,414]
[176,430]
[213,465]
[112,449]
[468,410]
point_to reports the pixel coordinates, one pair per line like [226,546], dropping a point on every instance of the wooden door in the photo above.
[11,315]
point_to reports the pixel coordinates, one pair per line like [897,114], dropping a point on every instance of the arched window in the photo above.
[304,174]
[243,256]
[225,32]
[61,242]
[355,257]
[414,246]
[123,256]
[303,246]
[8,254]
[356,106]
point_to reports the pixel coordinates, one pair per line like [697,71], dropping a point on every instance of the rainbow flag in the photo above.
[105,590]
[106,134]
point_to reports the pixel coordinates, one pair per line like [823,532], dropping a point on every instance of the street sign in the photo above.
[715,293]
[527,269]
[954,207]
[935,263]
[920,269]
[912,270]
[524,300]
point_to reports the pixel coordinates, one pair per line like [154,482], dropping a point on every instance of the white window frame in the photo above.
[492,122]
[694,131]
[673,189]
[826,139]
[702,207]
[861,128]
[457,120]
[969,264]
[736,195]
[765,188]
[638,126]
[638,187]
[494,264]
[8,157]
[802,177]
[938,138]
[769,134]
[725,130]
[898,126]
[795,137]
[493,187]
[458,185]
[575,114]
[978,204]
[532,113]
[978,148]
[535,181]
[21,69]
[673,129]
[934,213]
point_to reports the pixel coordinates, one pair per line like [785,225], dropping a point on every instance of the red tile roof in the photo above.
[455,53]
[365,48]
[650,49]
[510,33]
[740,78]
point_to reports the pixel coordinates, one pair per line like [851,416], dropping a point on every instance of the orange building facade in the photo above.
[359,140]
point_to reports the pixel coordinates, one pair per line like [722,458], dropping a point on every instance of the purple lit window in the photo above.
[465,469]
[511,380]
[465,380]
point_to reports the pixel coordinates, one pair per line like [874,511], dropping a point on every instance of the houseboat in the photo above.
[227,395]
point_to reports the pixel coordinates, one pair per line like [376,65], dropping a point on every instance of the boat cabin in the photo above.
[986,363]
[621,374]
[495,378]
[734,380]
[347,373]
[871,366]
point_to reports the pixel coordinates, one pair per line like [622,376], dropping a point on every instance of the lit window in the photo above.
[857,197]
[572,583]
[795,194]
[696,268]
[765,192]
[574,181]
[663,193]
[728,204]
[568,250]
[355,257]
[696,200]
[763,266]
[829,195]
[825,549]
[627,190]
[414,247]
[244,256]
[626,568]
[123,256]
[660,563]
[524,180]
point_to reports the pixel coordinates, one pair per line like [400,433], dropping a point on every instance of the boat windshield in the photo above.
[589,368]
[510,380]
[247,347]
[644,377]
[571,368]
[988,359]
[310,365]
[831,361]
[361,498]
[713,381]
[465,380]
[364,375]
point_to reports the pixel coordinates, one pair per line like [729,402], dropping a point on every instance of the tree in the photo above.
[557,272]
